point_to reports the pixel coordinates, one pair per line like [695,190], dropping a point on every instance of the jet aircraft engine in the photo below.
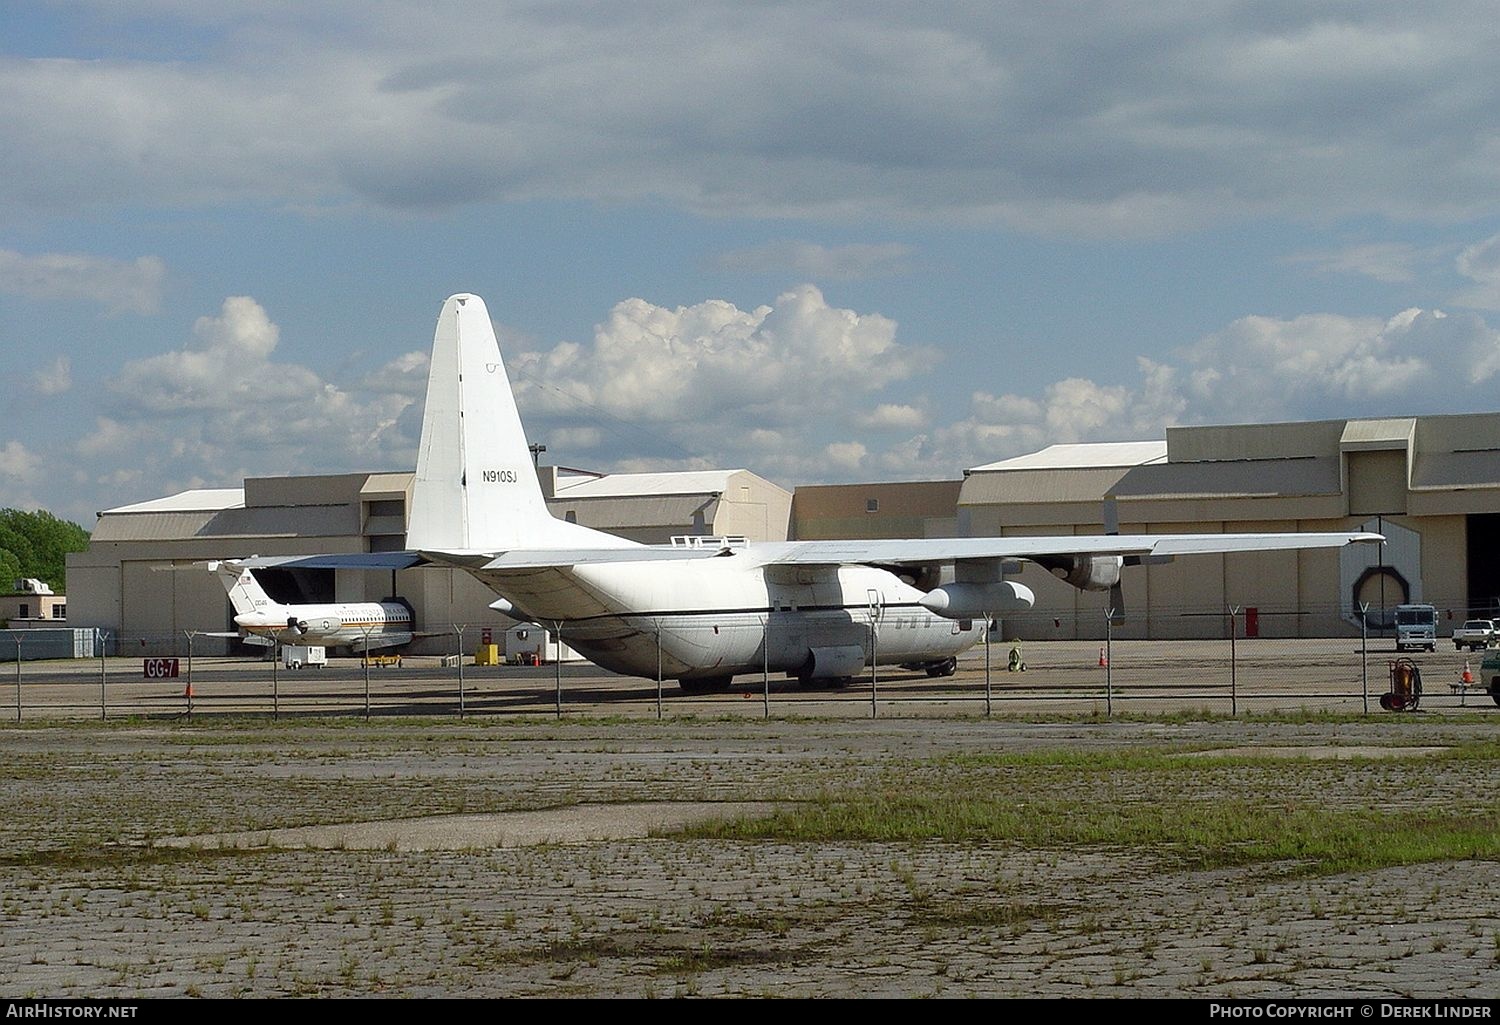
[1086,572]
[322,624]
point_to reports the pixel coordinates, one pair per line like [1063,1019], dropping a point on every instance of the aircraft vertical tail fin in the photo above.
[245,592]
[476,486]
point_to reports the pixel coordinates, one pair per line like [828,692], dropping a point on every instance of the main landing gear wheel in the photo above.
[947,667]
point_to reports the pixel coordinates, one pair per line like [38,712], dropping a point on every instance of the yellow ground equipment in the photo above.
[1406,687]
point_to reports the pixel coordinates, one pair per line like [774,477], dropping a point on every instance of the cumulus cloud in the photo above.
[1262,368]
[223,406]
[227,366]
[17,461]
[1006,112]
[108,436]
[54,378]
[845,455]
[808,260]
[1480,263]
[405,375]
[1071,410]
[1255,370]
[775,388]
[891,416]
[1394,263]
[121,286]
[738,369]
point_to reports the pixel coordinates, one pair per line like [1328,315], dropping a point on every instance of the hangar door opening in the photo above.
[297,586]
[1484,564]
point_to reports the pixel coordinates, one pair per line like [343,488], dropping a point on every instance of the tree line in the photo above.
[36,544]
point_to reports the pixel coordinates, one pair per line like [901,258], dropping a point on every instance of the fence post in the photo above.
[1109,663]
[658,670]
[989,628]
[458,631]
[557,665]
[188,690]
[18,676]
[275,679]
[366,631]
[1234,694]
[765,662]
[875,606]
[100,635]
[1364,653]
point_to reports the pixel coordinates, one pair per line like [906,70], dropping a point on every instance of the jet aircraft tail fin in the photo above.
[245,592]
[476,485]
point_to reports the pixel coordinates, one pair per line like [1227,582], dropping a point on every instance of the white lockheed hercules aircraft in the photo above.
[364,625]
[708,608]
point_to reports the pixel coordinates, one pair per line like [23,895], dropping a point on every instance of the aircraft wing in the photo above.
[927,551]
[908,552]
[878,552]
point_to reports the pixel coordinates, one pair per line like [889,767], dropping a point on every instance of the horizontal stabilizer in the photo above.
[345,560]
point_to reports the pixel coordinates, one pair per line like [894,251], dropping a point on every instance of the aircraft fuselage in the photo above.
[336,624]
[718,617]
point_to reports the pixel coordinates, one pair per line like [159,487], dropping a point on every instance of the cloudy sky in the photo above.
[825,242]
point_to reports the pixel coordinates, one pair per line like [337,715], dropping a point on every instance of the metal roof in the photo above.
[624,485]
[1083,456]
[231,522]
[1392,433]
[386,483]
[151,526]
[198,500]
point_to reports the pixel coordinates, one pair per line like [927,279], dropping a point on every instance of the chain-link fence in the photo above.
[1220,664]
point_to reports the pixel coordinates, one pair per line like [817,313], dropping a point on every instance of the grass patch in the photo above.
[1194,813]
[1195,835]
[970,915]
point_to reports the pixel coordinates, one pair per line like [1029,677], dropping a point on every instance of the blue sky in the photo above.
[825,242]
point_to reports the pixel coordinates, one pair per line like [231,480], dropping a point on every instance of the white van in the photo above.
[1416,627]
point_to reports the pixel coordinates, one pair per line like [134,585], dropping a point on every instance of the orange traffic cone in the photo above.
[1102,660]
[187,691]
[1467,677]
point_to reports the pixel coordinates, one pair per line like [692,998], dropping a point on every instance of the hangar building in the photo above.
[1430,484]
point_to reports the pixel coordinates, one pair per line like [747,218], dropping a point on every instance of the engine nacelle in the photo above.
[318,624]
[975,601]
[834,662]
[1087,572]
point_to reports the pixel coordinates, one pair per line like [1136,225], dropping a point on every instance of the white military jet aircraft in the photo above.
[704,609]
